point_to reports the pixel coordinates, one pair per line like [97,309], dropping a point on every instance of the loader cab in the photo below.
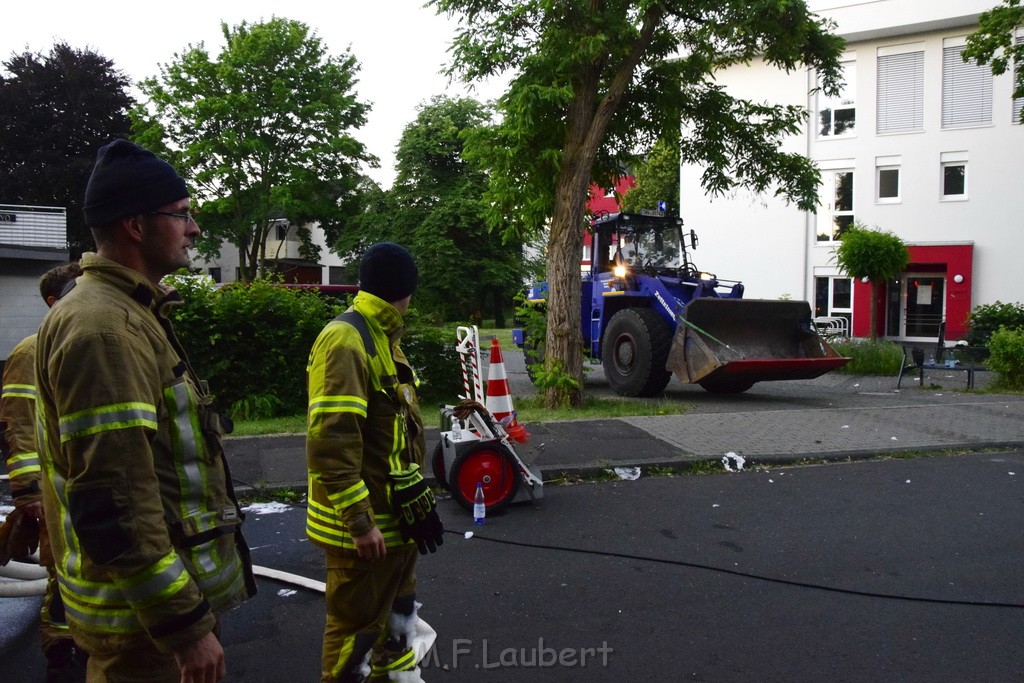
[627,244]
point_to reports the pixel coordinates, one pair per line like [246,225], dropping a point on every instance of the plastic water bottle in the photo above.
[456,430]
[479,506]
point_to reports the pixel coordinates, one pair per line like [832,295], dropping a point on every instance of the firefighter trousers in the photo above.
[368,602]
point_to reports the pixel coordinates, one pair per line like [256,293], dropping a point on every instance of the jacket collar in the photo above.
[382,313]
[131,282]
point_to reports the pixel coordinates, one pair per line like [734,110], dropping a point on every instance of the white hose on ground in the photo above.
[293,579]
[22,570]
[26,579]
[21,588]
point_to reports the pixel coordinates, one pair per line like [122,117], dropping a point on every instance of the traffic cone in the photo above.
[499,397]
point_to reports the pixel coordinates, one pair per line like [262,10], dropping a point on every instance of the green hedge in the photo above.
[1007,358]
[986,319]
[251,342]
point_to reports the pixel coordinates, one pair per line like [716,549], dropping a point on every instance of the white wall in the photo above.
[22,308]
[743,236]
[772,247]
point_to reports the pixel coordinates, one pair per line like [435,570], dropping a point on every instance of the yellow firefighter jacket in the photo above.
[363,422]
[142,518]
[18,419]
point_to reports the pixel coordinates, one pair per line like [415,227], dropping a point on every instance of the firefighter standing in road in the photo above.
[64,661]
[369,506]
[145,530]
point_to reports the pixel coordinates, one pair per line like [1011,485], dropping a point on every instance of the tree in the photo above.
[436,209]
[602,80]
[994,43]
[56,111]
[657,179]
[262,132]
[878,255]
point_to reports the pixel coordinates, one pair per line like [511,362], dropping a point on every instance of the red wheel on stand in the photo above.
[490,464]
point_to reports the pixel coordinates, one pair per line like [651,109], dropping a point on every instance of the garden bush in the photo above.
[870,357]
[987,318]
[1007,358]
[251,343]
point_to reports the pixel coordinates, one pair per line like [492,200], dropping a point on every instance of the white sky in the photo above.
[400,45]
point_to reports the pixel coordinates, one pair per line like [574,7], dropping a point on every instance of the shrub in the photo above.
[987,318]
[431,350]
[251,343]
[1007,358]
[870,357]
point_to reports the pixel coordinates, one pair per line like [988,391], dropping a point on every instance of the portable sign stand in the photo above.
[477,435]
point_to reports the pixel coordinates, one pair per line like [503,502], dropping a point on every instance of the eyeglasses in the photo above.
[185,216]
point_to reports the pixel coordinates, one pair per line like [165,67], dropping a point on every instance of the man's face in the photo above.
[167,239]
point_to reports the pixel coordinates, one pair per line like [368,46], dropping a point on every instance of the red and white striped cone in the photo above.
[499,397]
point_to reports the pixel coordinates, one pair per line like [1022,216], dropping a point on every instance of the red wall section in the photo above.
[951,259]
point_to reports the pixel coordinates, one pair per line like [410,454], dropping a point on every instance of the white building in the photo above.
[283,257]
[919,143]
[33,239]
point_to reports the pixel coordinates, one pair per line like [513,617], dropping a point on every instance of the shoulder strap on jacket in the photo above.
[356,320]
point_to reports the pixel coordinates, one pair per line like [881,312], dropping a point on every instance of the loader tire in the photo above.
[634,352]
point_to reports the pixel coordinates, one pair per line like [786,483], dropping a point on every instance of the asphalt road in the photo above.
[899,570]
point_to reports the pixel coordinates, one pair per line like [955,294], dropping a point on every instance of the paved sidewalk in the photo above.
[829,418]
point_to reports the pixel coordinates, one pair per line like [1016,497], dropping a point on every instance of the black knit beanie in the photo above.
[388,271]
[128,179]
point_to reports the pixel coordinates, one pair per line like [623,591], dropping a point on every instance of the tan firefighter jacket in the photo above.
[363,422]
[142,518]
[17,422]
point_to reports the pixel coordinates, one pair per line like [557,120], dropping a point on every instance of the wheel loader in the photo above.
[649,313]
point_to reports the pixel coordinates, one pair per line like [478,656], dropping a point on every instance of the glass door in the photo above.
[924,305]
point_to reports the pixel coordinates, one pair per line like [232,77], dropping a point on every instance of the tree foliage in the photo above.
[878,255]
[657,179]
[995,43]
[56,111]
[436,209]
[600,81]
[263,131]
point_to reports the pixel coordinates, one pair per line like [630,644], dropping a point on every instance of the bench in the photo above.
[937,362]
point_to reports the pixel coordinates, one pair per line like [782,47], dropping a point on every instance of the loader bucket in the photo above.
[726,345]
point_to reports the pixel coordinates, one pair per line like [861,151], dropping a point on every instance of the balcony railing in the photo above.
[33,226]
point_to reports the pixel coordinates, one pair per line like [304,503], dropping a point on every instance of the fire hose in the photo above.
[22,579]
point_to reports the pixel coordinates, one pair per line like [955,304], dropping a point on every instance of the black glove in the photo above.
[416,510]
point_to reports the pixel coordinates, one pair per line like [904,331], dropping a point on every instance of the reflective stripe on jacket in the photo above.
[363,422]
[18,418]
[144,526]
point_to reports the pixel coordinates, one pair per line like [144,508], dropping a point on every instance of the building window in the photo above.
[966,89]
[282,231]
[954,175]
[954,180]
[336,275]
[838,115]
[215,274]
[833,297]
[888,184]
[900,90]
[839,203]
[887,179]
